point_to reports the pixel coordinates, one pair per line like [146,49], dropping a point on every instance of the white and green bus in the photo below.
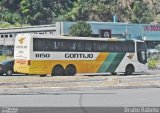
[65,55]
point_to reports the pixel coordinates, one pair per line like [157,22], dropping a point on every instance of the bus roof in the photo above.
[77,38]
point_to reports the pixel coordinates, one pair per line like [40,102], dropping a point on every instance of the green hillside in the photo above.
[39,12]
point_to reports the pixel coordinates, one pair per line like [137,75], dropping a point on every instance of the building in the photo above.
[150,33]
[7,36]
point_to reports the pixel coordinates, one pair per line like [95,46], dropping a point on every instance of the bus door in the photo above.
[141,53]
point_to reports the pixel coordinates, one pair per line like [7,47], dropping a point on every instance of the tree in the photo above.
[91,10]
[141,12]
[80,29]
[61,7]
[36,12]
[43,11]
[12,5]
[10,11]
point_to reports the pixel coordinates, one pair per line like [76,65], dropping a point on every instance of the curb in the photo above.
[54,90]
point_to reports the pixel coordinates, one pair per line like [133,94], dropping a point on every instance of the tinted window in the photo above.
[141,46]
[96,46]
[111,46]
[131,46]
[118,46]
[88,46]
[104,46]
[81,45]
[68,45]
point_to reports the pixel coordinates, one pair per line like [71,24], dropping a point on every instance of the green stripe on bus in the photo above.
[117,59]
[109,59]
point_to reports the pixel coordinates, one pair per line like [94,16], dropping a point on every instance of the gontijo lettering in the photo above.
[78,55]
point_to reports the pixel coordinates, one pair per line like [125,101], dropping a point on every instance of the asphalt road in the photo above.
[69,101]
[85,98]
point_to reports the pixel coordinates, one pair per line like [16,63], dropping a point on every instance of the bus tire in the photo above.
[129,69]
[9,72]
[43,75]
[113,73]
[70,70]
[57,71]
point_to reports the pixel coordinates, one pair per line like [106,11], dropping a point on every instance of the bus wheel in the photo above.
[9,72]
[70,70]
[43,75]
[113,73]
[129,69]
[57,71]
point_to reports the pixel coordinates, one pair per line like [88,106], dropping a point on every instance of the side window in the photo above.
[68,45]
[57,45]
[6,36]
[104,46]
[80,45]
[11,36]
[131,46]
[141,45]
[2,36]
[65,45]
[41,44]
[53,45]
[37,44]
[124,47]
[111,46]
[96,46]
[118,46]
[88,46]
[72,46]
[46,45]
